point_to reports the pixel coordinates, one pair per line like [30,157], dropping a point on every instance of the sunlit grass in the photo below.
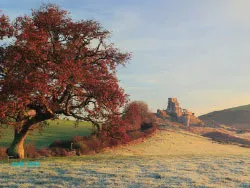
[57,130]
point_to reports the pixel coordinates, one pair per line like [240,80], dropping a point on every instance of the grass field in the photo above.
[120,171]
[171,158]
[57,130]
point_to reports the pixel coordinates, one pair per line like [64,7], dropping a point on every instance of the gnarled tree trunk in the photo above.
[16,148]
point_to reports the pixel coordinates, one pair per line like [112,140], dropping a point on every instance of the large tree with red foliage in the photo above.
[53,65]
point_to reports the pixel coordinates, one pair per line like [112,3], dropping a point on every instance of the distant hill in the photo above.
[238,117]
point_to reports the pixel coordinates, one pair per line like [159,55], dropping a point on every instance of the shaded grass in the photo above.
[227,138]
[57,130]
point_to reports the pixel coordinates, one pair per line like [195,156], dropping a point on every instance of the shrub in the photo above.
[133,115]
[137,116]
[3,153]
[30,151]
[149,131]
[135,135]
[148,122]
[114,132]
[59,152]
[45,152]
[87,144]
[77,138]
[93,143]
[81,148]
[145,126]
[114,142]
[61,144]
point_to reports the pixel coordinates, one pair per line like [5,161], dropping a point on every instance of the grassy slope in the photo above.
[238,117]
[245,107]
[57,130]
[179,143]
[172,158]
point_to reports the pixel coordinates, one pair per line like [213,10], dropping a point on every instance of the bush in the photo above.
[30,151]
[61,144]
[148,122]
[81,148]
[145,126]
[94,143]
[45,152]
[86,144]
[114,132]
[134,113]
[136,134]
[149,131]
[3,154]
[77,138]
[56,152]
[114,142]
[137,116]
[82,144]
[59,152]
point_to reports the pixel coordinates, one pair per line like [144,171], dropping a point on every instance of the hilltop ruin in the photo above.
[177,113]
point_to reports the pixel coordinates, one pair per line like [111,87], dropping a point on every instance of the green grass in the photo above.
[57,130]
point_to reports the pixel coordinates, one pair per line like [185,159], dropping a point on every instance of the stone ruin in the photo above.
[174,107]
[181,115]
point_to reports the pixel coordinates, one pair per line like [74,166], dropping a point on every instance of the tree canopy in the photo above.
[54,65]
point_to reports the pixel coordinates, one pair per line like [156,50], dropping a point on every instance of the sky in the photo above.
[195,50]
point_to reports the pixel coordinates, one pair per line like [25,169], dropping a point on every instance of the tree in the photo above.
[137,116]
[55,66]
[114,132]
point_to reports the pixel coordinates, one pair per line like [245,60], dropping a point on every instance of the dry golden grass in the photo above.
[172,158]
[176,142]
[245,136]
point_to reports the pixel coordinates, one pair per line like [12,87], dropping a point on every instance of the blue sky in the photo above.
[195,50]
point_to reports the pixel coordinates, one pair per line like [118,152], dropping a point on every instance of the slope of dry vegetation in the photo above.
[177,142]
[238,117]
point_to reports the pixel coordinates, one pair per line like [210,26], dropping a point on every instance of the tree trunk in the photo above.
[16,149]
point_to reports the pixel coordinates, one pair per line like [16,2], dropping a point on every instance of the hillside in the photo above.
[178,142]
[238,117]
